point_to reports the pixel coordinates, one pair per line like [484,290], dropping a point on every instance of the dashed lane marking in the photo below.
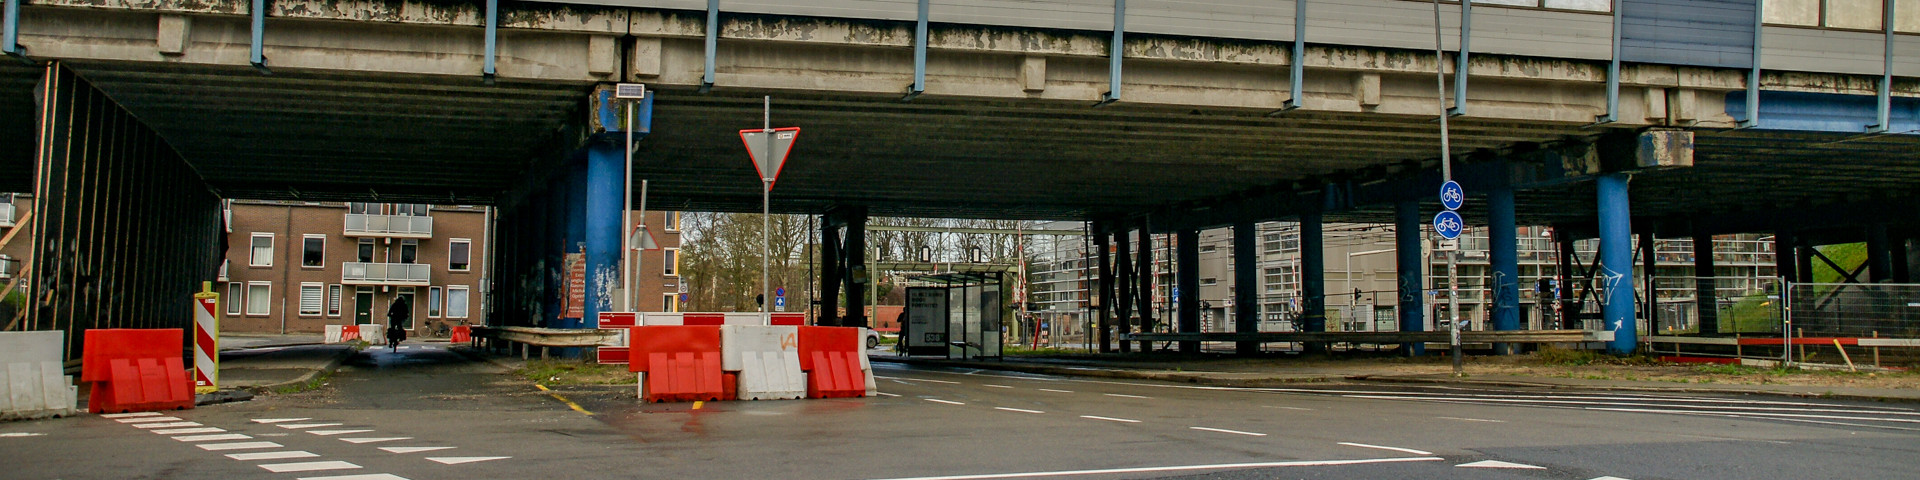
[1606,478]
[1221,466]
[1122,395]
[308,466]
[166,425]
[1382,447]
[373,440]
[147,419]
[1111,419]
[329,433]
[460,460]
[212,438]
[131,415]
[1021,410]
[1235,432]
[279,420]
[1055,391]
[989,385]
[19,434]
[215,447]
[297,426]
[1500,464]
[1472,419]
[1288,408]
[949,402]
[885,394]
[272,455]
[364,476]
[184,431]
[412,449]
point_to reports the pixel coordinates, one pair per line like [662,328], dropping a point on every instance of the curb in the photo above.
[470,353]
[307,377]
[1632,388]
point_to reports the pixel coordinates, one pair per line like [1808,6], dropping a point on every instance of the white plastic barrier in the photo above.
[767,359]
[660,318]
[333,333]
[374,333]
[867,366]
[33,383]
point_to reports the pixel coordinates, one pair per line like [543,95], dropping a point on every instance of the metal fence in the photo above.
[386,273]
[1740,305]
[1857,310]
[366,224]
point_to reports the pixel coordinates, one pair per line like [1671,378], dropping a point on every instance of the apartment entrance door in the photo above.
[362,305]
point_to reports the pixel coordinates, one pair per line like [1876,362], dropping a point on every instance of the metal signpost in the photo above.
[1449,224]
[630,93]
[769,148]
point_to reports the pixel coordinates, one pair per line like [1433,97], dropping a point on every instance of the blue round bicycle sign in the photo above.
[1452,196]
[1448,224]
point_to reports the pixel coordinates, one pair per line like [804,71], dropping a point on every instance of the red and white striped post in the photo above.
[206,340]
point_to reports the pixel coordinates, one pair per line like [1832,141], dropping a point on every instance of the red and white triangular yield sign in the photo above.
[768,163]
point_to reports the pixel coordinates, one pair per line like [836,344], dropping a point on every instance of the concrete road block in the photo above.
[33,382]
[771,376]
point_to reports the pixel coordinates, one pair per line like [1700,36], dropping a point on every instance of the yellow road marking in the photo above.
[697,404]
[556,396]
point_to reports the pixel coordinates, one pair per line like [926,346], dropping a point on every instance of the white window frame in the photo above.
[320,306]
[253,255]
[402,252]
[266,310]
[469,263]
[435,298]
[373,250]
[465,307]
[670,268]
[236,298]
[323,249]
[334,292]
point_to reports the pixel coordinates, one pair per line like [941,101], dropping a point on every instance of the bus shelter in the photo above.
[955,315]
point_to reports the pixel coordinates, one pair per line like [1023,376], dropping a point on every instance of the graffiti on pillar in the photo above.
[1506,292]
[1409,292]
[606,282]
[576,286]
[1609,280]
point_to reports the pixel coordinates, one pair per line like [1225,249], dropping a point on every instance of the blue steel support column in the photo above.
[1884,100]
[1116,49]
[1123,282]
[1753,73]
[1406,240]
[576,232]
[606,186]
[1616,261]
[257,52]
[553,241]
[1505,257]
[1613,70]
[10,37]
[493,36]
[1187,246]
[1297,71]
[713,43]
[1246,284]
[919,54]
[1313,278]
[1460,66]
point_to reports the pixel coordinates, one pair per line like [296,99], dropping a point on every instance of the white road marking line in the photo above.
[460,460]
[1500,464]
[412,449]
[1608,477]
[989,385]
[373,440]
[1236,432]
[1287,408]
[1021,410]
[1732,439]
[215,447]
[308,466]
[297,426]
[279,420]
[1701,408]
[1222,466]
[1111,419]
[147,419]
[949,402]
[364,476]
[184,431]
[1594,399]
[166,425]
[130,415]
[1055,391]
[885,394]
[1755,414]
[1121,395]
[1396,449]
[210,438]
[327,433]
[1471,419]
[19,434]
[272,455]
[935,381]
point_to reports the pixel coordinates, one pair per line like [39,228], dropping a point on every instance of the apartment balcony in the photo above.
[7,215]
[8,267]
[397,274]
[389,226]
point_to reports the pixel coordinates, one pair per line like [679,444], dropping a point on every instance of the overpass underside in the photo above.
[418,102]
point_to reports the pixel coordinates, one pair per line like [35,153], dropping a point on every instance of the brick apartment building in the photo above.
[295,267]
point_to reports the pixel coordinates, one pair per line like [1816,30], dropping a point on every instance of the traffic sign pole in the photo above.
[766,223]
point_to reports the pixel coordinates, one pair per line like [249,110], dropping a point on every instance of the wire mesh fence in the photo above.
[1726,306]
[1854,310]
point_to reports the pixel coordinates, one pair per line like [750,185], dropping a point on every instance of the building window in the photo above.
[1209,249]
[670,262]
[1581,5]
[457,301]
[410,209]
[1843,14]
[433,302]
[1209,281]
[259,298]
[672,222]
[333,300]
[409,250]
[312,297]
[459,255]
[261,255]
[234,290]
[363,208]
[670,303]
[313,251]
[365,255]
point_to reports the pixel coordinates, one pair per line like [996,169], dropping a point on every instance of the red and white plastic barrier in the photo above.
[206,341]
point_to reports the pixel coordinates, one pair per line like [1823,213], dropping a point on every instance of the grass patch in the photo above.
[1574,358]
[310,385]
[574,372]
[1016,350]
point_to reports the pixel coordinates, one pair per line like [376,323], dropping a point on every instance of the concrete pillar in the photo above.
[553,242]
[1649,263]
[1246,285]
[1784,265]
[1146,285]
[1413,301]
[1505,258]
[1187,248]
[576,237]
[1313,278]
[606,189]
[1123,284]
[1616,261]
[1902,267]
[1879,254]
[830,274]
[1105,283]
[858,276]
[1706,304]
[1803,263]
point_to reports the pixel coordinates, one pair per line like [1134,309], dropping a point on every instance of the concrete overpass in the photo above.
[1143,115]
